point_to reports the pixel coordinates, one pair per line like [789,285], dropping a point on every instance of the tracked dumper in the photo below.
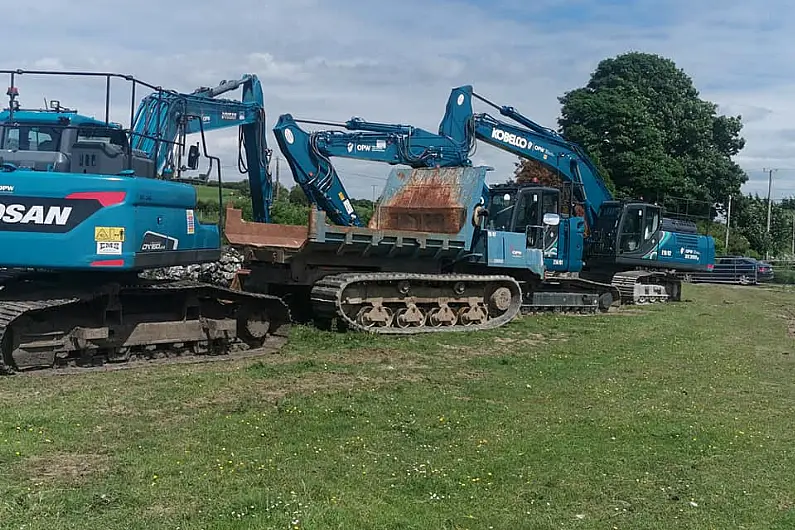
[426,262]
[399,275]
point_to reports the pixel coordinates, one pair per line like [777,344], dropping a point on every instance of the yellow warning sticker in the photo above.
[106,234]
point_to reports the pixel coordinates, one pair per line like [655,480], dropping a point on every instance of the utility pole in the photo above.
[769,193]
[728,222]
[793,235]
[769,203]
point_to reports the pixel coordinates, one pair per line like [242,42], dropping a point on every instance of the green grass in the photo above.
[668,417]
[210,193]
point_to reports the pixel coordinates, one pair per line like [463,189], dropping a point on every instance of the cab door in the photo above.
[639,227]
[528,218]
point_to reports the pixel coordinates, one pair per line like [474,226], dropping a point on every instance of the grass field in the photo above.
[210,193]
[667,417]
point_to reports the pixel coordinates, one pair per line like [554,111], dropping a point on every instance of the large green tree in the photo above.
[642,121]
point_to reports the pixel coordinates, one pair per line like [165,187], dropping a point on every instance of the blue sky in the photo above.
[397,61]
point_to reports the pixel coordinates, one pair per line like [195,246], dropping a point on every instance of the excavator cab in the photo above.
[532,210]
[639,225]
[68,142]
[626,230]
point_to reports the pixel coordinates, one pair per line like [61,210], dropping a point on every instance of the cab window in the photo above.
[31,138]
[501,210]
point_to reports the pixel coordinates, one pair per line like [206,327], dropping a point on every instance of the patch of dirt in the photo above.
[188,364]
[117,409]
[623,312]
[788,317]
[65,467]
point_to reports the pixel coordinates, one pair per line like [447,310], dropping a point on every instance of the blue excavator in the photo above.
[629,243]
[83,210]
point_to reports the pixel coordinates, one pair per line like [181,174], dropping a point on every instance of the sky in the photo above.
[396,62]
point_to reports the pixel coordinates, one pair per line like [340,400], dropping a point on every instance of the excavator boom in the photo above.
[164,119]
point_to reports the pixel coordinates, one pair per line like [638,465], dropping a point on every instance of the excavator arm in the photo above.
[164,119]
[308,155]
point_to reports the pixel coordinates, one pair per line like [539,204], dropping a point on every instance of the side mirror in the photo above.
[551,219]
[193,157]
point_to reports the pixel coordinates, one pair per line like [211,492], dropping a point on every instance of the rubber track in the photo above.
[10,310]
[326,300]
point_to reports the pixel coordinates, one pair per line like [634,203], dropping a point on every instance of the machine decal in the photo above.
[108,234]
[191,220]
[652,254]
[511,139]
[109,248]
[109,239]
[154,242]
[6,188]
[43,214]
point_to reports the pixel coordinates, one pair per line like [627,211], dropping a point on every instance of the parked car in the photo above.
[764,271]
[734,269]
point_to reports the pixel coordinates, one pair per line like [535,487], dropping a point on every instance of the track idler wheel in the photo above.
[605,301]
[500,299]
[253,327]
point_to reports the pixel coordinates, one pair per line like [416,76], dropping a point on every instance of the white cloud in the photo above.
[396,62]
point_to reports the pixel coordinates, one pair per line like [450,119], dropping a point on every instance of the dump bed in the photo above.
[423,213]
